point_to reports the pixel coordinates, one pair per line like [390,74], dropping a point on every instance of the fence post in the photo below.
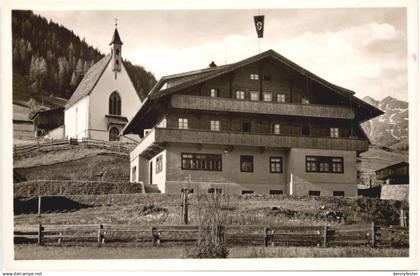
[184,205]
[156,236]
[373,234]
[52,142]
[325,242]
[40,228]
[403,218]
[100,234]
[268,239]
[39,203]
[220,233]
[60,239]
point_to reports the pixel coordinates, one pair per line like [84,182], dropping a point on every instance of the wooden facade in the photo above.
[260,107]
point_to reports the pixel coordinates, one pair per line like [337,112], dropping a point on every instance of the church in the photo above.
[104,101]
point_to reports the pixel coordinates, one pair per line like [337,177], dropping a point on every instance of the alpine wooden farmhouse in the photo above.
[261,125]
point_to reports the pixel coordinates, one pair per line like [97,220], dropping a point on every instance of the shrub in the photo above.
[210,242]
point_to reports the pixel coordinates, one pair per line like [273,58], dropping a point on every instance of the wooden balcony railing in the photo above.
[260,107]
[165,135]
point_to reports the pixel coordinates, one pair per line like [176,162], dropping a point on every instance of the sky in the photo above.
[361,49]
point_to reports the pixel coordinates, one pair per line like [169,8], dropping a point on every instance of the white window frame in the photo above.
[214,93]
[254,76]
[305,100]
[215,125]
[334,132]
[253,93]
[281,98]
[240,95]
[183,123]
[276,129]
[268,96]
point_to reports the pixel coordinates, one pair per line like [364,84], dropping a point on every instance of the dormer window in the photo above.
[114,107]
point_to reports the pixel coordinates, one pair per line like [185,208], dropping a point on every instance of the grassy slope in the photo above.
[240,210]
[77,163]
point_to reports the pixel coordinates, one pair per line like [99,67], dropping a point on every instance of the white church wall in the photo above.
[99,97]
[76,119]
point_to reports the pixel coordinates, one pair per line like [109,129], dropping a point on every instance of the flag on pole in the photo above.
[259,25]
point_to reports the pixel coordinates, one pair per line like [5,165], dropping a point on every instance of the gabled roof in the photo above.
[116,38]
[89,81]
[48,112]
[188,79]
[394,166]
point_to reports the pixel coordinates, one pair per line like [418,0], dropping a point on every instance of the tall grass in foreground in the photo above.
[316,252]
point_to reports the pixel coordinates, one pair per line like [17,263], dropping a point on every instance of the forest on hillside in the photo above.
[49,59]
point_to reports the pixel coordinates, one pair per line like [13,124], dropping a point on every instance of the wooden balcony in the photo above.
[159,136]
[260,107]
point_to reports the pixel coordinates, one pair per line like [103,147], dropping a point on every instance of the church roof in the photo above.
[116,38]
[89,80]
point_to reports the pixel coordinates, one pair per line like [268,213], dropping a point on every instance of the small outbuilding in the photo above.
[46,120]
[397,173]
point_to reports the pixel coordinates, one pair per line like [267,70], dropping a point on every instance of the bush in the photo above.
[210,242]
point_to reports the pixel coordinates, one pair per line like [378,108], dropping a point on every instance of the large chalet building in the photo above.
[261,125]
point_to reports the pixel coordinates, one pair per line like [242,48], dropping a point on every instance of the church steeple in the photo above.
[116,45]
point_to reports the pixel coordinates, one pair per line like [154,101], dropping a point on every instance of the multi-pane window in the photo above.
[202,162]
[244,192]
[275,129]
[246,127]
[214,190]
[247,163]
[337,165]
[183,123]
[305,100]
[214,92]
[214,125]
[324,164]
[334,132]
[159,164]
[240,95]
[255,95]
[268,96]
[281,98]
[276,192]
[276,165]
[134,174]
[254,76]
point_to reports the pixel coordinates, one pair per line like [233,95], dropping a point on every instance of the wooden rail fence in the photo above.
[358,235]
[55,144]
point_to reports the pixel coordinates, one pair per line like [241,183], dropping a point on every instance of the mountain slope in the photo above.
[50,61]
[391,127]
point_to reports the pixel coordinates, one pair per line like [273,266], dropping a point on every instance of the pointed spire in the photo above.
[116,38]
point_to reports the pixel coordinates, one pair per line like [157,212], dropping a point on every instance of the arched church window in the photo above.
[114,134]
[117,52]
[115,104]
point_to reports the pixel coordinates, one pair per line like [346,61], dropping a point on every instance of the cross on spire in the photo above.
[116,22]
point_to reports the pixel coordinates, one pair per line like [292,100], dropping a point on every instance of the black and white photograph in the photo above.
[231,133]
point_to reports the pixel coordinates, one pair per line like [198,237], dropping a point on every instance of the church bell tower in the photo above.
[116,45]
